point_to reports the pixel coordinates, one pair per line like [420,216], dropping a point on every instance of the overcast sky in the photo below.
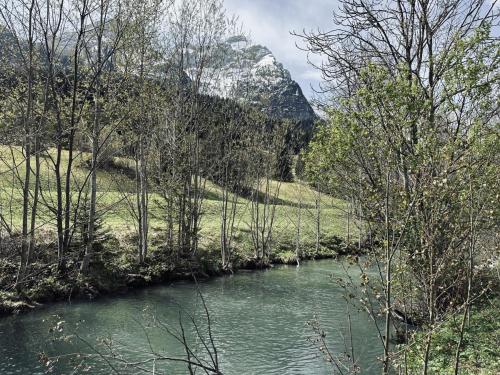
[270,22]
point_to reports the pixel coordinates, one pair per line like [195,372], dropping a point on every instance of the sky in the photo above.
[270,22]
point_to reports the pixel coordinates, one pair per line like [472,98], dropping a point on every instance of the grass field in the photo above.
[115,193]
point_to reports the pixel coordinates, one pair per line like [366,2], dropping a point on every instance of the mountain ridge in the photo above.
[251,74]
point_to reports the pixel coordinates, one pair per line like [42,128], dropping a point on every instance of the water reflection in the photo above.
[259,322]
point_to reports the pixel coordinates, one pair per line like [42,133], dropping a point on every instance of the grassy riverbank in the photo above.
[112,274]
[115,267]
[479,354]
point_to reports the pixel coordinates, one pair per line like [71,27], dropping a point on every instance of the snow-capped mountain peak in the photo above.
[251,74]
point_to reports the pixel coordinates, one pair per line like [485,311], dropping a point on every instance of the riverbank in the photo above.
[479,349]
[115,269]
[269,307]
[48,284]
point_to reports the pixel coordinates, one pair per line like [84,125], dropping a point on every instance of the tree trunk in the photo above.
[143,202]
[96,131]
[388,281]
[36,191]
[25,244]
[299,224]
[318,220]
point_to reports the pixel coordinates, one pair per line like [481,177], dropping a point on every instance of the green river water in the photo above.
[259,323]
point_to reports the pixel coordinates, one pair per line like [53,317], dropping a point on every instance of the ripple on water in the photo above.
[259,323]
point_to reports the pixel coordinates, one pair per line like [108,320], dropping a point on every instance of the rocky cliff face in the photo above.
[251,74]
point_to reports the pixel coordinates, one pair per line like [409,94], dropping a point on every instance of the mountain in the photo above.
[245,72]
[252,75]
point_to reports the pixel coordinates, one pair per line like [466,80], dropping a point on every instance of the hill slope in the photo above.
[115,197]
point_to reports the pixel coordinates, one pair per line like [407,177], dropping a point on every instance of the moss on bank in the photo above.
[113,274]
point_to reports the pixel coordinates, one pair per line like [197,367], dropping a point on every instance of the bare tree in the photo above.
[20,22]
[419,47]
[197,30]
[266,184]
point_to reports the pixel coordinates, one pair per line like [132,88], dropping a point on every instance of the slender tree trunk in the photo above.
[59,200]
[50,92]
[140,258]
[71,138]
[318,219]
[96,131]
[349,222]
[170,222]
[431,302]
[34,207]
[89,246]
[143,200]
[470,276]
[388,281]
[25,245]
[360,226]
[299,225]
[223,228]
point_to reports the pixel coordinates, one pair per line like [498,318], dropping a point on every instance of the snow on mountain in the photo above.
[251,74]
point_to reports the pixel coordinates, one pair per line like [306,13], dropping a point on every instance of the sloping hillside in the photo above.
[116,198]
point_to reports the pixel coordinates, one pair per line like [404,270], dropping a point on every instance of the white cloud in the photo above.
[311,75]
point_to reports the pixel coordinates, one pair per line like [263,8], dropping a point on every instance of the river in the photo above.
[259,324]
